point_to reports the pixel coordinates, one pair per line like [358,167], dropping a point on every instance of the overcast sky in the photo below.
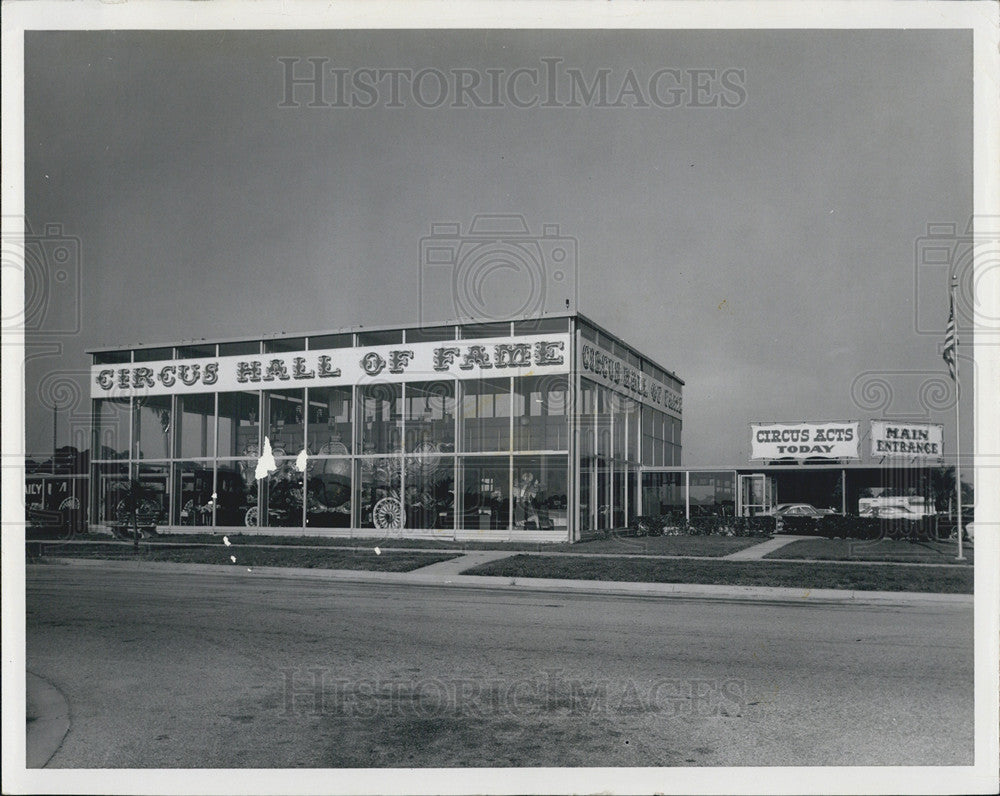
[766,252]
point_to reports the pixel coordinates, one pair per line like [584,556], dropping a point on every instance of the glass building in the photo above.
[523,429]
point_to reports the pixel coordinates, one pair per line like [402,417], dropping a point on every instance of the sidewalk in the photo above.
[758,551]
[446,577]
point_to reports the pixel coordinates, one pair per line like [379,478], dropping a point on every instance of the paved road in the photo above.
[166,669]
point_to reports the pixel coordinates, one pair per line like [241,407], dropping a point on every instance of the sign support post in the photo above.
[958,436]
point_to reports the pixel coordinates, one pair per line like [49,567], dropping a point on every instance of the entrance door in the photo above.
[756,494]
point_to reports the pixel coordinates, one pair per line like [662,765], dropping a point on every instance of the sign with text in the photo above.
[533,355]
[832,440]
[907,440]
[598,365]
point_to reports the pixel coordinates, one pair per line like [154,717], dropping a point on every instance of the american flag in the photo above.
[950,339]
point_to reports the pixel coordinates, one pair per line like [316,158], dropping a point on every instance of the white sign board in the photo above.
[907,440]
[832,440]
[533,355]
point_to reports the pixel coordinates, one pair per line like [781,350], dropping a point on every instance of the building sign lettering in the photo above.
[907,440]
[613,372]
[804,440]
[527,356]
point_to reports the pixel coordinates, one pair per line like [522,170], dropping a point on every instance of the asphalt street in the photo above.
[182,669]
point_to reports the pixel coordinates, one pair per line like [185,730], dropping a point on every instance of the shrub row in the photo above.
[660,524]
[836,526]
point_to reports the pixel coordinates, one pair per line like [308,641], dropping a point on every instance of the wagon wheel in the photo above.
[387,514]
[251,520]
[69,503]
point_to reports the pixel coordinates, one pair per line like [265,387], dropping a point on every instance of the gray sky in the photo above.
[765,252]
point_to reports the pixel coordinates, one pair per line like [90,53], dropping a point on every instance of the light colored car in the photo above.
[894,513]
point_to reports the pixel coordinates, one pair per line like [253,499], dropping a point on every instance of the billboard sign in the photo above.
[907,440]
[833,440]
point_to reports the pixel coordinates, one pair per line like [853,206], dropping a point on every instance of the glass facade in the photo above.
[472,451]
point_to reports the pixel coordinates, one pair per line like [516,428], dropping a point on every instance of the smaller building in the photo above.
[757,489]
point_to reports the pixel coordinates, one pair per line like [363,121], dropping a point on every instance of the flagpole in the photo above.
[958,431]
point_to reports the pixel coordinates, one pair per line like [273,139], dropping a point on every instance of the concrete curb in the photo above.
[772,594]
[47,718]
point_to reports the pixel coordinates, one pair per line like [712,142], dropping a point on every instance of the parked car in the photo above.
[893,513]
[796,510]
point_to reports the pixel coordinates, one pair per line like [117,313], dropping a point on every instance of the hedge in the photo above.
[659,524]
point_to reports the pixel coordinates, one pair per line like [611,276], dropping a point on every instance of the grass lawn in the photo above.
[956,580]
[247,556]
[874,550]
[654,545]
[663,545]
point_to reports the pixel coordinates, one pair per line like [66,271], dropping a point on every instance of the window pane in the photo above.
[239,423]
[713,493]
[480,331]
[320,342]
[429,416]
[485,493]
[112,357]
[587,475]
[541,326]
[284,344]
[236,494]
[155,480]
[111,428]
[151,429]
[152,354]
[285,425]
[431,334]
[239,348]
[379,417]
[388,337]
[329,493]
[281,496]
[196,351]
[329,432]
[112,478]
[193,504]
[195,432]
[377,486]
[485,412]
[586,419]
[540,495]
[540,413]
[663,493]
[429,493]
[632,429]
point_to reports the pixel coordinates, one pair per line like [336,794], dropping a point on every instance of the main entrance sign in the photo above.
[804,440]
[907,440]
[534,355]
